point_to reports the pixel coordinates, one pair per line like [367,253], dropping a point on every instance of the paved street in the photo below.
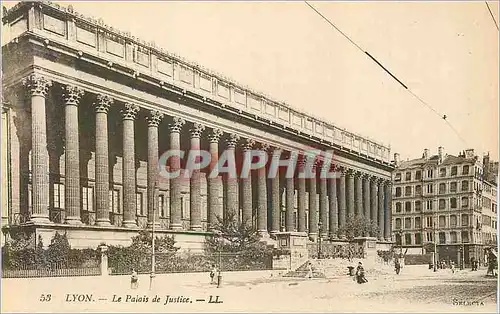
[416,289]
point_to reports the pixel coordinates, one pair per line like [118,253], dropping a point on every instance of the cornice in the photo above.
[70,14]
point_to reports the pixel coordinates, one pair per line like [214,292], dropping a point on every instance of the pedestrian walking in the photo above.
[213,273]
[309,270]
[360,274]
[397,266]
[134,280]
[452,266]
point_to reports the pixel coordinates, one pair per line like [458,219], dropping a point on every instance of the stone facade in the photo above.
[91,109]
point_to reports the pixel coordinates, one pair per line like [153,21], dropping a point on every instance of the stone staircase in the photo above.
[302,271]
[330,268]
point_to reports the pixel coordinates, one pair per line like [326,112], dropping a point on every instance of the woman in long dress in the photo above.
[360,274]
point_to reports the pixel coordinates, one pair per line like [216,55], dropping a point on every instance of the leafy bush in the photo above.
[138,254]
[239,245]
[358,226]
[20,253]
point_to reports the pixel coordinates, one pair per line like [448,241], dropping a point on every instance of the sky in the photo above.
[445,52]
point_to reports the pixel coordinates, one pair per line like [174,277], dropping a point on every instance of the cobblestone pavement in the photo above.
[416,289]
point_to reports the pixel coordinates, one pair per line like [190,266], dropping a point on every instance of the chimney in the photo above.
[396,159]
[486,165]
[426,154]
[469,153]
[440,154]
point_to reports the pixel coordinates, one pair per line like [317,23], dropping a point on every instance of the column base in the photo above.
[150,225]
[40,219]
[175,226]
[103,222]
[388,239]
[130,224]
[196,228]
[263,233]
[333,236]
[73,221]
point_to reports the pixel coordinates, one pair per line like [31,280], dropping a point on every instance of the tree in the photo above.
[138,254]
[358,226]
[232,235]
[241,244]
[59,250]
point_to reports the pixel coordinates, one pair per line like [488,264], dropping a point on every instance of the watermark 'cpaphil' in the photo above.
[308,164]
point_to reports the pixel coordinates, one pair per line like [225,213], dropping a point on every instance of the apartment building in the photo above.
[439,198]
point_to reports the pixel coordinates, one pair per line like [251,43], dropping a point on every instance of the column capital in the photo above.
[380,181]
[388,183]
[232,140]
[274,152]
[366,176]
[177,124]
[196,130]
[373,178]
[214,136]
[37,85]
[130,111]
[341,169]
[265,147]
[248,144]
[358,174]
[72,94]
[350,172]
[154,118]
[102,103]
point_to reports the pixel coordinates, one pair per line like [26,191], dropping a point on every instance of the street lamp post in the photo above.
[218,234]
[400,232]
[319,239]
[462,260]
[435,247]
[153,259]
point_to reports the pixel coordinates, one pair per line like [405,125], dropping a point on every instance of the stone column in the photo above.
[38,88]
[301,197]
[246,184]
[342,200]
[214,205]
[289,205]
[262,195]
[72,95]
[102,160]
[366,196]
[323,203]
[153,120]
[381,222]
[373,202]
[195,181]
[388,210]
[332,199]
[175,181]
[232,204]
[358,205]
[275,194]
[128,174]
[350,193]
[313,208]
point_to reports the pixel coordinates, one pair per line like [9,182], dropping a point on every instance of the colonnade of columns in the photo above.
[352,193]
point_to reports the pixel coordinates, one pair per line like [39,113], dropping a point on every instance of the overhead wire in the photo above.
[491,13]
[441,116]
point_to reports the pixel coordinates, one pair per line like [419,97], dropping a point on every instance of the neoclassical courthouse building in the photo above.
[87,111]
